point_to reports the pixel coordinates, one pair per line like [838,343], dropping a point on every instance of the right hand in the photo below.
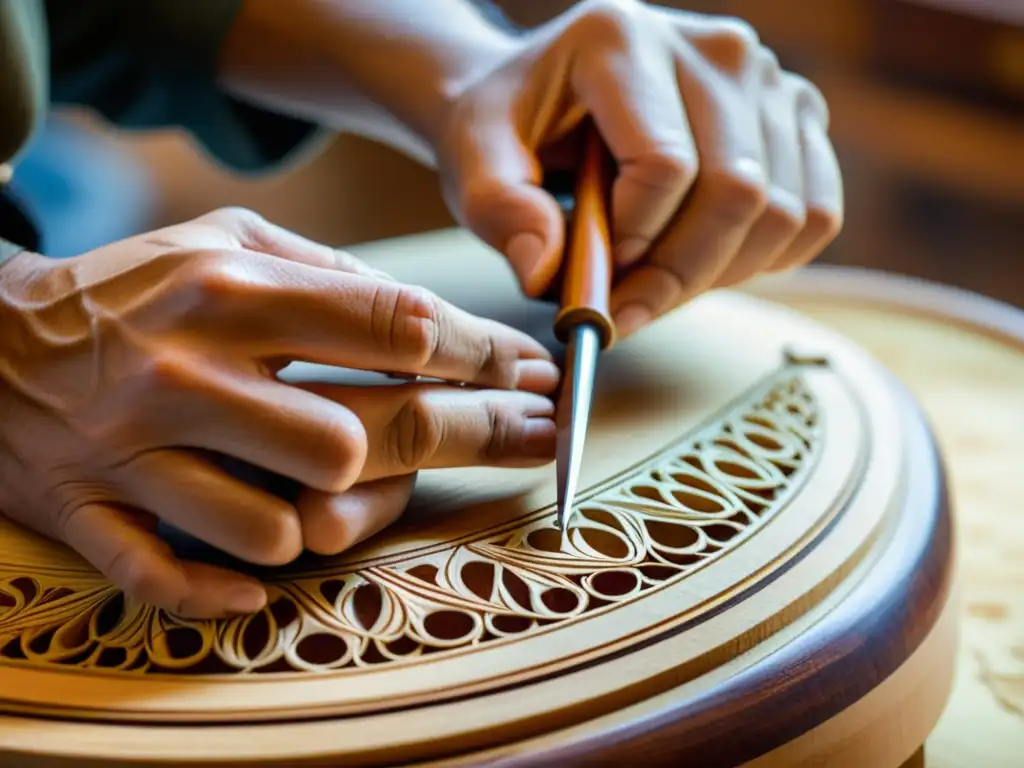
[125,370]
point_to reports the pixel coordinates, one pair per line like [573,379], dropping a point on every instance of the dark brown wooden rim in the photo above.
[880,623]
[865,639]
[843,657]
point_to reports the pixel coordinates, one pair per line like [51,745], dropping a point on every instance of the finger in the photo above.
[823,191]
[123,547]
[492,184]
[410,428]
[784,217]
[628,82]
[332,318]
[258,420]
[332,523]
[727,198]
[250,231]
[201,499]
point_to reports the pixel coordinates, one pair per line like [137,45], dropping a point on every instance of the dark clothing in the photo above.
[138,63]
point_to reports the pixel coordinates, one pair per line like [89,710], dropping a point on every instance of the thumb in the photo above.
[492,185]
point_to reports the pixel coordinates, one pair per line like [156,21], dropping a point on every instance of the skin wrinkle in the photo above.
[676,96]
[429,335]
[150,369]
[492,364]
[382,312]
[498,429]
[408,429]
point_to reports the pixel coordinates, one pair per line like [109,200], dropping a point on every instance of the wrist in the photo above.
[376,67]
[427,112]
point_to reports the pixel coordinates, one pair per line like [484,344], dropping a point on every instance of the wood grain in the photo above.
[962,355]
[589,266]
[780,479]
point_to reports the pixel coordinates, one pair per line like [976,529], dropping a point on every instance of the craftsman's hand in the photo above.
[725,166]
[128,375]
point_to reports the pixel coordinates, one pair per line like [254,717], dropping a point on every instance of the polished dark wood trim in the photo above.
[842,658]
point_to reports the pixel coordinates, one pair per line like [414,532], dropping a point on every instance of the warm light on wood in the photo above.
[760,570]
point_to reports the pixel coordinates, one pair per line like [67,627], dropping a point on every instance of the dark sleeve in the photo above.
[152,63]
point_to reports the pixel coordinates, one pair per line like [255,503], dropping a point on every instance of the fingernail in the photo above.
[629,250]
[525,251]
[539,438]
[537,376]
[630,318]
[247,598]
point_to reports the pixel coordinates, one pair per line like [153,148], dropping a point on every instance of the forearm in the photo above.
[382,68]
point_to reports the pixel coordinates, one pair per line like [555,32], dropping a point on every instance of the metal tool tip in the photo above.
[572,415]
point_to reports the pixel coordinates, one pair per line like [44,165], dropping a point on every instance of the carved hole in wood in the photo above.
[682,508]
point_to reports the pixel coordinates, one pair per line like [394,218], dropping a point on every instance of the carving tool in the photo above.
[583,323]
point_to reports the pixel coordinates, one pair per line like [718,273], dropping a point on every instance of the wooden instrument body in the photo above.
[760,571]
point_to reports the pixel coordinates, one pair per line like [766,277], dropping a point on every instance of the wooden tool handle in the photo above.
[588,269]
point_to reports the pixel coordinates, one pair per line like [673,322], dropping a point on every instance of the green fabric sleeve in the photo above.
[152,64]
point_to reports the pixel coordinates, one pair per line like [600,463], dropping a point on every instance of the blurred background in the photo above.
[927,100]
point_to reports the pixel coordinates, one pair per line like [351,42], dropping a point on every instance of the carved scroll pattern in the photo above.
[681,509]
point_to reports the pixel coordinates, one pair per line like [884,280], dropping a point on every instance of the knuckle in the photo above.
[236,219]
[67,497]
[607,22]
[277,538]
[769,61]
[164,372]
[787,212]
[339,444]
[344,454]
[414,326]
[481,197]
[414,435]
[823,224]
[496,364]
[738,32]
[132,576]
[738,197]
[201,279]
[669,168]
[504,431]
[732,43]
[809,98]
[328,540]
[211,276]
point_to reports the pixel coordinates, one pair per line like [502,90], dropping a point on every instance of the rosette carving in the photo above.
[684,507]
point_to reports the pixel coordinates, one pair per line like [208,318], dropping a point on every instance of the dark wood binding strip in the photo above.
[851,651]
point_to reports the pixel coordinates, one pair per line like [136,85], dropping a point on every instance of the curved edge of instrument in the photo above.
[903,605]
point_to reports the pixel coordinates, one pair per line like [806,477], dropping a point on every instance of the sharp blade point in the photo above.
[573,415]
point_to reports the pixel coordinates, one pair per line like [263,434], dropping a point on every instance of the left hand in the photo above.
[725,167]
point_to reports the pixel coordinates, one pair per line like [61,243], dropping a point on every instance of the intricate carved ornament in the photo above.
[652,525]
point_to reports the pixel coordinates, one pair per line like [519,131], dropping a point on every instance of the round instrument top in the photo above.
[743,465]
